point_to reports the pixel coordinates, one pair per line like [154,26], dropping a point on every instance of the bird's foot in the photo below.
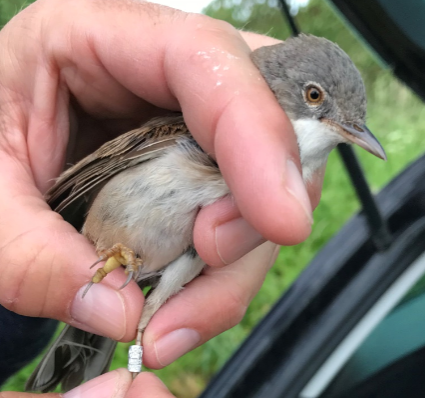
[116,256]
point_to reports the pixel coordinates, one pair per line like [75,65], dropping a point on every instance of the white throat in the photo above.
[315,140]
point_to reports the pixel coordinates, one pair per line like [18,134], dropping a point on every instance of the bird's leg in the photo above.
[177,274]
[116,256]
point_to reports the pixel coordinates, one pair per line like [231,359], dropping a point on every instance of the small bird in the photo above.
[142,191]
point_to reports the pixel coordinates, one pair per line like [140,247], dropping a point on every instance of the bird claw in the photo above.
[115,257]
[101,258]
[87,289]
[128,280]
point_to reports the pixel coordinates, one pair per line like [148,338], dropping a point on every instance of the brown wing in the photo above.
[127,150]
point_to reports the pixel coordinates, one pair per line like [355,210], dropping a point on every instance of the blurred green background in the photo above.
[394,115]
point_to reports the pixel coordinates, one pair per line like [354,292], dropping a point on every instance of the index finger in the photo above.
[243,126]
[202,66]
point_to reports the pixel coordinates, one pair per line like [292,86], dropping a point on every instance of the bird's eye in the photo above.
[314,95]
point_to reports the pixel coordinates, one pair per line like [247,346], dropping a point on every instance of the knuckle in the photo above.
[233,312]
[12,277]
[23,288]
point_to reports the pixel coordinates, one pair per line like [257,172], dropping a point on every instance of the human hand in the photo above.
[115,384]
[93,53]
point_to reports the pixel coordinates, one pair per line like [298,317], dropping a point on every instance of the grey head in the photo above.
[323,94]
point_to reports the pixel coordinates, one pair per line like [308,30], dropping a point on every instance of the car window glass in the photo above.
[390,360]
[409,15]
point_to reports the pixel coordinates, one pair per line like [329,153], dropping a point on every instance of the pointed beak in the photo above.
[362,136]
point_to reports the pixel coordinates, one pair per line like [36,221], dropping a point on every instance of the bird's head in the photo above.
[323,94]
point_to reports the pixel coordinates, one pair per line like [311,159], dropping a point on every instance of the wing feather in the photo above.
[125,151]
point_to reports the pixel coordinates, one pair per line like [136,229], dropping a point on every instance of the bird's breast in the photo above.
[151,207]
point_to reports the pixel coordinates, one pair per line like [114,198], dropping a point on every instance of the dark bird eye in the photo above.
[314,95]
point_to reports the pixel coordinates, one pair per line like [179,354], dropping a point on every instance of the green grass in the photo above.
[396,117]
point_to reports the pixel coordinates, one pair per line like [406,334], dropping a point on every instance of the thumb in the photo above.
[44,262]
[147,385]
[114,384]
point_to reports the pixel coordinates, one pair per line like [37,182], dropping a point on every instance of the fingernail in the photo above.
[296,187]
[175,344]
[236,238]
[101,387]
[101,311]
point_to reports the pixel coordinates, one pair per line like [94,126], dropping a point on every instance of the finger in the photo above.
[249,135]
[92,133]
[222,235]
[147,385]
[209,305]
[26,395]
[114,384]
[226,103]
[46,263]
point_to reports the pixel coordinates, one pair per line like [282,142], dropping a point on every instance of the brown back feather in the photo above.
[125,151]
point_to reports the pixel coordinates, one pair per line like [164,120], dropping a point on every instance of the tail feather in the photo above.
[74,357]
[78,356]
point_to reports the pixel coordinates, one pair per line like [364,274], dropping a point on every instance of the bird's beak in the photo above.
[362,136]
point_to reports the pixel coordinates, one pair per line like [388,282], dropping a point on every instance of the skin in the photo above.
[115,384]
[92,52]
